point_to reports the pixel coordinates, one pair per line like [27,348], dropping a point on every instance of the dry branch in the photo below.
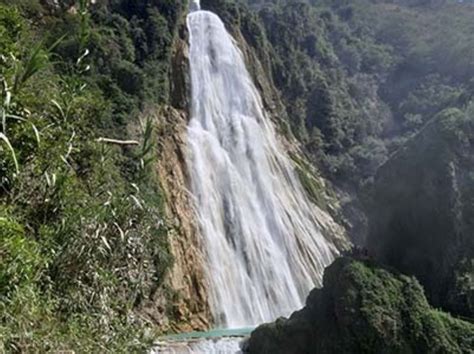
[118,142]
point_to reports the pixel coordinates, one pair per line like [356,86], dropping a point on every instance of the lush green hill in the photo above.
[359,77]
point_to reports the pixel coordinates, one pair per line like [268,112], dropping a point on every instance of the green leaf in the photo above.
[10,147]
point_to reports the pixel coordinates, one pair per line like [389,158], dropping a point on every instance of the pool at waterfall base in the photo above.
[217,341]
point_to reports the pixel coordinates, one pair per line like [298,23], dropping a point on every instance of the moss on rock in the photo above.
[363,308]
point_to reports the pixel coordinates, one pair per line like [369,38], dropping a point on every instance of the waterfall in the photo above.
[262,242]
[195,5]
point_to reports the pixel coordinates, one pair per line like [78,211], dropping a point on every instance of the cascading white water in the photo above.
[263,245]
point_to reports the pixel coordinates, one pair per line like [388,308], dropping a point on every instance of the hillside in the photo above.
[100,248]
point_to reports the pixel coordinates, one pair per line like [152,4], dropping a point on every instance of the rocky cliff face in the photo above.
[422,211]
[364,309]
[186,280]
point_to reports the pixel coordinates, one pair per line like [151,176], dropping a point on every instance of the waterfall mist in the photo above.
[263,245]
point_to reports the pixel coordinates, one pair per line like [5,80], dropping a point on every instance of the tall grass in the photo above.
[91,228]
[4,138]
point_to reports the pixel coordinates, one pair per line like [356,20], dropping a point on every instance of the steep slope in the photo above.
[422,211]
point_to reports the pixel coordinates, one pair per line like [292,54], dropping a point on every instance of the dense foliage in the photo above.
[83,241]
[364,309]
[82,238]
[358,78]
[382,90]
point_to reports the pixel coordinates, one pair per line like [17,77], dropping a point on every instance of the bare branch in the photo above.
[118,142]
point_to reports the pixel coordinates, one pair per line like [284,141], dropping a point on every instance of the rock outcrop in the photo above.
[187,280]
[422,211]
[363,308]
[187,277]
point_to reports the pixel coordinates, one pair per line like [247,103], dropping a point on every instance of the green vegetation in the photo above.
[363,308]
[380,94]
[83,242]
[358,78]
[82,237]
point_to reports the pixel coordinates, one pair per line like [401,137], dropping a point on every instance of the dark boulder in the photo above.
[363,308]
